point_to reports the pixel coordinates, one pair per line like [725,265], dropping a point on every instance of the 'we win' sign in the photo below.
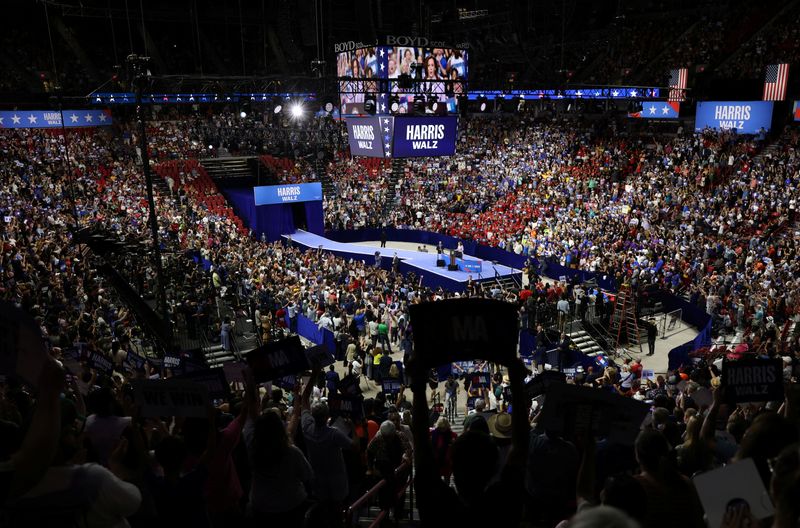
[171,397]
[464,329]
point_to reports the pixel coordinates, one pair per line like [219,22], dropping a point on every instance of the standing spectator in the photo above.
[331,380]
[280,473]
[324,445]
[652,332]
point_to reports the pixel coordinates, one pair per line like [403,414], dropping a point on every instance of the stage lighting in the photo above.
[278,109]
[242,114]
[297,111]
[394,104]
[433,103]
[419,104]
[369,104]
[483,103]
[329,107]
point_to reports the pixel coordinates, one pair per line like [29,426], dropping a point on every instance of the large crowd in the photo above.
[709,214]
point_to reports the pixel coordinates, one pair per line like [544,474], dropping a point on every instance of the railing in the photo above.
[350,512]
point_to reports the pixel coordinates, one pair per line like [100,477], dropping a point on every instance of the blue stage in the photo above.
[422,264]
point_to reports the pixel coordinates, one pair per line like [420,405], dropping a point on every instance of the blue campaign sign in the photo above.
[370,136]
[424,136]
[52,118]
[747,117]
[658,110]
[278,194]
[796,111]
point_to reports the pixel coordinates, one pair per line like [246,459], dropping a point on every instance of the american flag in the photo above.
[775,82]
[677,84]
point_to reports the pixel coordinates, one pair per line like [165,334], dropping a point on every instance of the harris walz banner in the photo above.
[52,118]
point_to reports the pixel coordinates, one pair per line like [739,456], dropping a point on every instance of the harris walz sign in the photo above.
[751,380]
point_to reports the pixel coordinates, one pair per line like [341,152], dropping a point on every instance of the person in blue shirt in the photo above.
[331,380]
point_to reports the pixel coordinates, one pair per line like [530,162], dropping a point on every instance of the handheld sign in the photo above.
[98,361]
[751,380]
[464,329]
[541,383]
[277,359]
[479,380]
[737,486]
[233,371]
[171,397]
[22,348]
[571,410]
[319,356]
[391,387]
[134,361]
[349,385]
[347,406]
[213,380]
[172,362]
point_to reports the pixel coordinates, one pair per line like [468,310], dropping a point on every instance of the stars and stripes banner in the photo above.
[387,131]
[775,82]
[677,84]
[52,119]
[658,110]
[621,92]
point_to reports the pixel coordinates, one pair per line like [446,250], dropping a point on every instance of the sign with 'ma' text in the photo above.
[277,359]
[424,136]
[751,380]
[747,117]
[279,194]
[464,329]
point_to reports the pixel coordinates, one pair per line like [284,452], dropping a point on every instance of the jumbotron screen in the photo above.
[428,67]
[389,62]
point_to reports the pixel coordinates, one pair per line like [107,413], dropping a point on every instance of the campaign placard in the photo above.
[279,194]
[98,361]
[366,136]
[171,397]
[172,362]
[346,406]
[747,117]
[319,356]
[464,329]
[391,387]
[751,380]
[22,347]
[424,136]
[573,411]
[796,110]
[213,379]
[735,486]
[233,371]
[134,361]
[277,359]
[479,380]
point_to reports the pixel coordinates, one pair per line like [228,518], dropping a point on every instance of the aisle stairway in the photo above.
[229,167]
[585,342]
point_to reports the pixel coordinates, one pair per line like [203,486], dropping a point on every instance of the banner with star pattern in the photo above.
[52,118]
[658,110]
